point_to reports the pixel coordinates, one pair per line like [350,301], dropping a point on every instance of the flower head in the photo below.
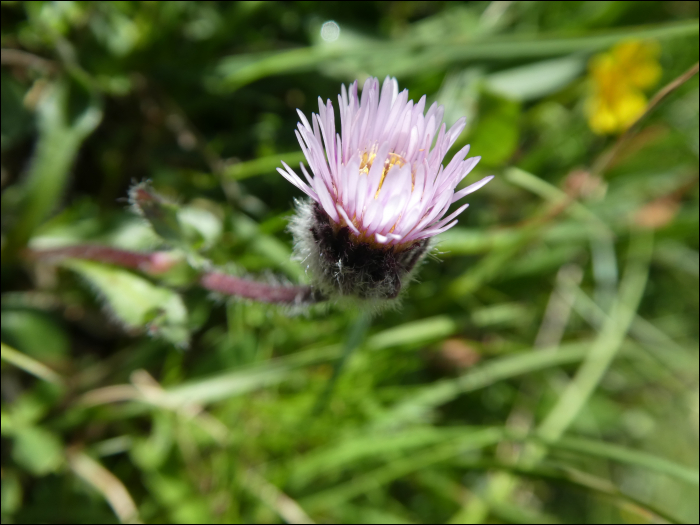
[618,78]
[379,189]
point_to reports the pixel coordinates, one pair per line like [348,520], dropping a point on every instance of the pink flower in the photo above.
[380,177]
[378,191]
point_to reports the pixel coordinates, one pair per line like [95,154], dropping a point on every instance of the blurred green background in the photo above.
[543,368]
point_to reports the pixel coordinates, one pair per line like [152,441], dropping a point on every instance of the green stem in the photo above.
[355,337]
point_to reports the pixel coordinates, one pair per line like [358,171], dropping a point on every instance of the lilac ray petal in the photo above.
[317,131]
[381,207]
[351,179]
[361,196]
[435,156]
[447,219]
[438,210]
[375,172]
[326,201]
[339,155]
[343,98]
[294,179]
[456,170]
[471,188]
[381,239]
[366,88]
[433,233]
[454,173]
[390,215]
[327,133]
[419,181]
[412,143]
[413,199]
[387,128]
[407,222]
[431,127]
[419,108]
[347,220]
[402,131]
[308,177]
[430,185]
[455,131]
[372,210]
[304,121]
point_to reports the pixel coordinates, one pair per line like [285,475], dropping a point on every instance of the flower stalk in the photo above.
[157,263]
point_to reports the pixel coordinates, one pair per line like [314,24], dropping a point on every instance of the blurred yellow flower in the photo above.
[618,78]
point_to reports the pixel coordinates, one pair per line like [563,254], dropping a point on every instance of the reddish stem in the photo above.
[155,263]
[266,293]
[159,262]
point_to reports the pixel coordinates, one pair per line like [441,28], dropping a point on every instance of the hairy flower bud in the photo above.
[378,190]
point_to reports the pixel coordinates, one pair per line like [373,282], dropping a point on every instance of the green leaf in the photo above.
[184,227]
[636,458]
[17,122]
[37,450]
[536,80]
[151,453]
[11,495]
[36,334]
[496,132]
[373,57]
[66,115]
[135,301]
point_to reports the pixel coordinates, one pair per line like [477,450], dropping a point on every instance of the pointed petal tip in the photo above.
[381,239]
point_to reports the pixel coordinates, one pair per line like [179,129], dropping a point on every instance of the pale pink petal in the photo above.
[326,201]
[455,131]
[350,180]
[381,239]
[294,179]
[306,174]
[471,188]
[360,196]
[347,220]
[447,219]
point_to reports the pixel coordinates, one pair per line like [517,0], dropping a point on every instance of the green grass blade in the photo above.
[430,397]
[631,457]
[30,365]
[391,57]
[396,469]
[604,349]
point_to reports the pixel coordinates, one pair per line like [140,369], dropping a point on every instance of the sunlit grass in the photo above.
[542,368]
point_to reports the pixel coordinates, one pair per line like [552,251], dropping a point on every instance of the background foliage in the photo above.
[544,368]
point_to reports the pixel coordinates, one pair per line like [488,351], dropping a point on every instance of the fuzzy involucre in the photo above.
[341,267]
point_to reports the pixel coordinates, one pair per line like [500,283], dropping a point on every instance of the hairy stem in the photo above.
[160,262]
[266,293]
[154,263]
